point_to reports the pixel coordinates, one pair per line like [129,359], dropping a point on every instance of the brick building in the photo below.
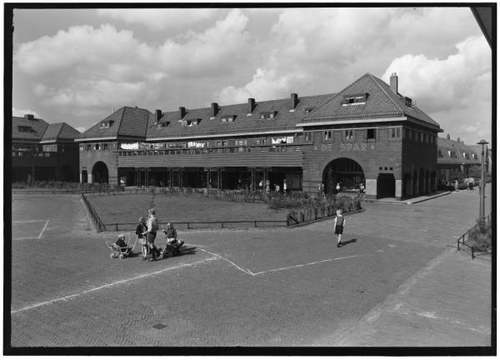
[367,133]
[43,151]
[457,161]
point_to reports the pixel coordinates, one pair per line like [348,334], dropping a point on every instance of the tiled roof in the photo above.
[28,129]
[59,131]
[381,102]
[283,119]
[126,121]
[445,145]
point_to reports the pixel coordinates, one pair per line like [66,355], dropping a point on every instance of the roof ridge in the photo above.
[121,120]
[374,79]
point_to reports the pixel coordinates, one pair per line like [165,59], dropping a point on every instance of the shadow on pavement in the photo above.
[344,243]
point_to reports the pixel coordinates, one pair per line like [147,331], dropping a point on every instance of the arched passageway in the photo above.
[345,171]
[100,173]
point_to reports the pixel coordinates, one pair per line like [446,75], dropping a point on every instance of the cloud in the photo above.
[103,66]
[329,48]
[444,83]
[265,85]
[159,19]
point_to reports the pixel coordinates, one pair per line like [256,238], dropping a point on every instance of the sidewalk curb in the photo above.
[429,198]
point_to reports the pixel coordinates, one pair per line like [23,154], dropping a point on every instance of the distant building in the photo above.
[457,160]
[43,151]
[368,133]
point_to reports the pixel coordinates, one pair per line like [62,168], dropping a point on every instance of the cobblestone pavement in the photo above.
[258,287]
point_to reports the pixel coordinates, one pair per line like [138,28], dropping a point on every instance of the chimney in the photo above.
[295,100]
[214,108]
[29,116]
[182,111]
[458,139]
[251,105]
[157,116]
[394,83]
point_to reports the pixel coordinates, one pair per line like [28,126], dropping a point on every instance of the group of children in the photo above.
[146,234]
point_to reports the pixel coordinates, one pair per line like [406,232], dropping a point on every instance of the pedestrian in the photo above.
[361,188]
[141,231]
[284,186]
[152,225]
[337,188]
[338,225]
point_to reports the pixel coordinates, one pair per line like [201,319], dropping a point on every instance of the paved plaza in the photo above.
[274,287]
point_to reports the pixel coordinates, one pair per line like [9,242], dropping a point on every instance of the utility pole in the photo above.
[482,189]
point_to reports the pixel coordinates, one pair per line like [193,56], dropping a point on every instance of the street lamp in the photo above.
[482,190]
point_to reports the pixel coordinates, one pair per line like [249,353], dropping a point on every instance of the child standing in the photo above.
[338,225]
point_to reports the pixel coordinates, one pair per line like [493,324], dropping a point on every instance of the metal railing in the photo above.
[464,240]
[191,225]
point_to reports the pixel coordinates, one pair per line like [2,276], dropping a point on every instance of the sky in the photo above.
[79,65]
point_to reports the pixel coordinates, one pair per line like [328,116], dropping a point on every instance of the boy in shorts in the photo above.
[338,225]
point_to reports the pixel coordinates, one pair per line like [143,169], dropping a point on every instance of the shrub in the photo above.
[480,236]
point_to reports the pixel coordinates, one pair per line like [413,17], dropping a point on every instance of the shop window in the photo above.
[371,134]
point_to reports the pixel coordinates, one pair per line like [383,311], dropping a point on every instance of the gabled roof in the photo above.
[283,119]
[126,121]
[381,102]
[34,128]
[445,145]
[60,131]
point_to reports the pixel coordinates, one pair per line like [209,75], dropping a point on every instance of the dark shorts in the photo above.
[339,229]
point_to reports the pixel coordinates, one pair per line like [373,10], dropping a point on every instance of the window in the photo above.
[328,135]
[307,110]
[88,147]
[25,129]
[49,148]
[106,124]
[241,142]
[440,153]
[348,134]
[105,146]
[395,132]
[82,148]
[96,147]
[356,99]
[267,115]
[371,134]
[228,118]
[308,136]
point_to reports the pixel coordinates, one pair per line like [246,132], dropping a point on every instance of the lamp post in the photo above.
[482,190]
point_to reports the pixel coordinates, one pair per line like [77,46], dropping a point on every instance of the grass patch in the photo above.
[127,208]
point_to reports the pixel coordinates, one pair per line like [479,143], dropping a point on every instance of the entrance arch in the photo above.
[345,171]
[100,173]
[386,185]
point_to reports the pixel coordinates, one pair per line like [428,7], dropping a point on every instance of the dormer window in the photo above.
[309,109]
[228,118]
[163,124]
[408,101]
[355,99]
[25,129]
[268,115]
[106,124]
